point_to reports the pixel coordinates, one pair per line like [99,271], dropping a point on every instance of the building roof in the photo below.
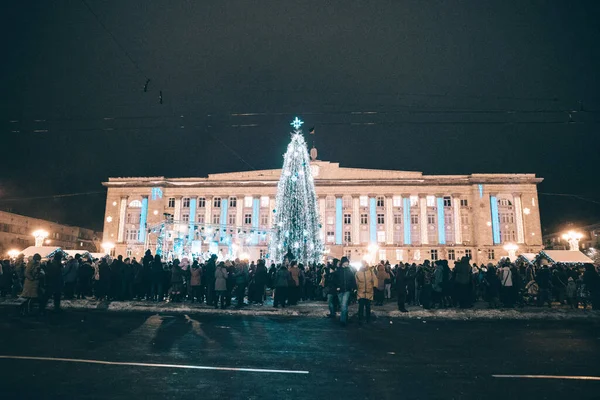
[565,256]
[44,251]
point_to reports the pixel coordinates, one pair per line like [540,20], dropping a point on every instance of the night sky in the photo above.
[443,87]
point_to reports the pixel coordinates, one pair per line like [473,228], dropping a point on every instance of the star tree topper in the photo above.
[297,123]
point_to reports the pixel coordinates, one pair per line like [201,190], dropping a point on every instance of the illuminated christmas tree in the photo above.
[296,215]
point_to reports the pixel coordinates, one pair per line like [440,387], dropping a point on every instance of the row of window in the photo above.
[396,201]
[398,219]
[231,219]
[217,201]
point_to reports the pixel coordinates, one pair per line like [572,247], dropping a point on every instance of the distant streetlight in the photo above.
[13,253]
[511,248]
[107,247]
[40,235]
[573,238]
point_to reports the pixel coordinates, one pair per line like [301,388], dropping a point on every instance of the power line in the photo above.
[54,196]
[575,196]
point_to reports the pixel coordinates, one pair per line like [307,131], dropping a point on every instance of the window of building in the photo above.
[330,220]
[464,203]
[447,201]
[464,220]
[248,201]
[232,202]
[262,253]
[397,201]
[264,219]
[185,217]
[185,202]
[347,237]
[504,202]
[347,202]
[448,219]
[399,255]
[231,219]
[451,255]
[397,219]
[216,218]
[364,219]
[381,236]
[347,219]
[380,219]
[348,254]
[380,201]
[468,253]
[430,201]
[330,237]
[382,254]
[132,235]
[414,201]
[491,254]
[414,219]
[200,218]
[201,202]
[431,219]
[264,201]
[171,202]
[434,254]
[397,235]
[364,201]
[330,202]
[248,219]
[128,253]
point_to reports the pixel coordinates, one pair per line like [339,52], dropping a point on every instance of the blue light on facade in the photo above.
[406,217]
[156,193]
[143,217]
[373,220]
[191,232]
[338,220]
[441,221]
[480,191]
[255,217]
[495,219]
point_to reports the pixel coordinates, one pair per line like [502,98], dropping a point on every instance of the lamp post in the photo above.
[372,251]
[13,253]
[573,239]
[511,248]
[40,235]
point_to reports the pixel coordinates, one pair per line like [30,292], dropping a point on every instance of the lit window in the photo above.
[364,201]
[430,201]
[504,202]
[414,219]
[364,219]
[135,204]
[217,202]
[434,254]
[381,236]
[347,219]
[347,237]
[468,253]
[397,219]
[264,201]
[185,217]
[447,201]
[185,203]
[201,202]
[200,218]
[171,202]
[330,237]
[430,219]
[232,202]
[382,254]
[491,254]
[464,203]
[347,202]
[231,219]
[216,218]
[330,220]
[399,255]
[397,201]
[380,219]
[451,255]
[248,201]
[414,201]
[380,201]
[330,202]
[264,219]
[247,219]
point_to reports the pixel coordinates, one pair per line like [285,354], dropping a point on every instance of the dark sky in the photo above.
[457,86]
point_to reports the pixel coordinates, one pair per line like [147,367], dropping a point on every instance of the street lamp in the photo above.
[13,253]
[511,248]
[40,235]
[573,238]
[107,246]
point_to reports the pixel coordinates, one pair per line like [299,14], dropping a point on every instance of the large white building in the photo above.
[408,215]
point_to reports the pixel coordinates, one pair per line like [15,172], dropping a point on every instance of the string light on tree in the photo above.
[296,214]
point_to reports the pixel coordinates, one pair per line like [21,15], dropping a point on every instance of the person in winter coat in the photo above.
[401,283]
[329,288]
[382,276]
[116,279]
[438,284]
[366,282]
[260,280]
[492,285]
[211,268]
[196,282]
[294,286]
[591,280]
[220,285]
[346,284]
[103,279]
[54,280]
[156,289]
[543,279]
[462,283]
[70,276]
[571,293]
[282,281]
[31,285]
[176,281]
[84,279]
[241,280]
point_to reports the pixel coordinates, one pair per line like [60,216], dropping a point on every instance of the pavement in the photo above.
[319,309]
[92,354]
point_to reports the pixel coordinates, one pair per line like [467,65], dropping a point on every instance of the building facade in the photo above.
[16,233]
[388,215]
[590,238]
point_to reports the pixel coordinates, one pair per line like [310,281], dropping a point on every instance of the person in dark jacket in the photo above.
[401,284]
[156,290]
[70,276]
[210,269]
[462,282]
[176,281]
[591,280]
[54,280]
[543,279]
[282,280]
[103,280]
[84,279]
[329,287]
[260,280]
[345,284]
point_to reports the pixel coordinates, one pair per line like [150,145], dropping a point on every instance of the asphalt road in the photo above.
[307,358]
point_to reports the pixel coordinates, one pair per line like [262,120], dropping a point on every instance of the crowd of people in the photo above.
[239,283]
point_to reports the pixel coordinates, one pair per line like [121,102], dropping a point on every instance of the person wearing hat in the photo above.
[31,285]
[345,284]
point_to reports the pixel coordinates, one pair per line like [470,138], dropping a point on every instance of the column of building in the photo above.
[519,217]
[423,219]
[457,219]
[122,213]
[208,210]
[389,219]
[356,220]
